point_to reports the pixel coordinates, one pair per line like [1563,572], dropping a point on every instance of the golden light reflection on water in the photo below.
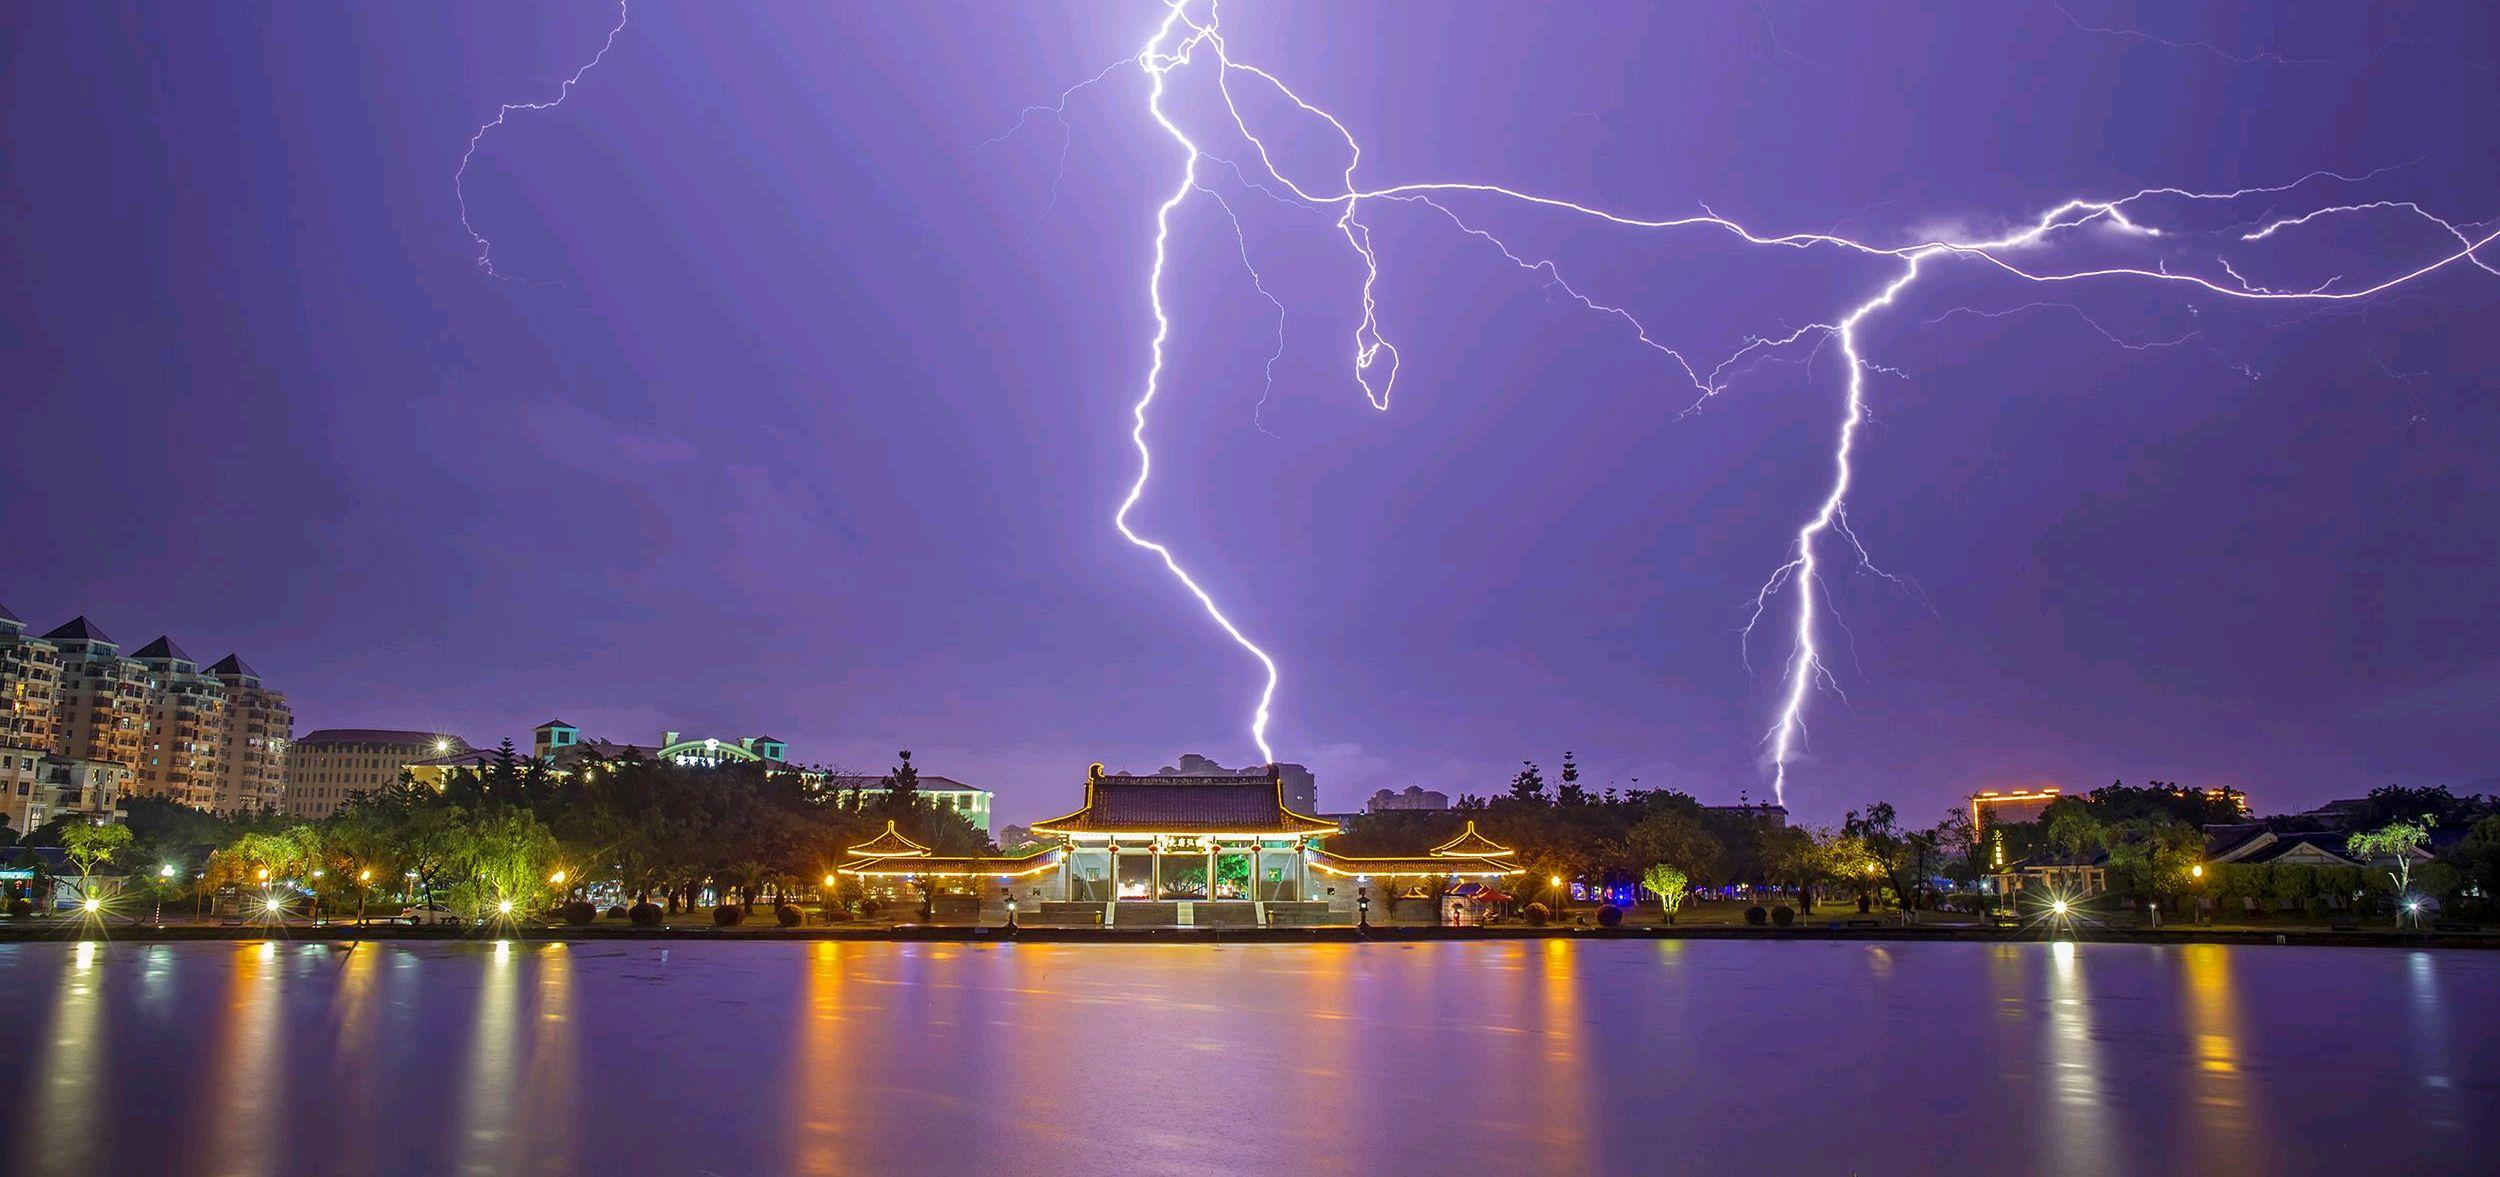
[551,1089]
[2225,1120]
[2078,1111]
[244,1081]
[488,1081]
[354,1074]
[63,1129]
[822,1088]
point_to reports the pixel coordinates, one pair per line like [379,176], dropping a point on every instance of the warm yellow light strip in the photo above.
[1219,834]
[901,870]
[1413,874]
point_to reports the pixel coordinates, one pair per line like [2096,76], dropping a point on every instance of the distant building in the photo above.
[70,787]
[560,744]
[330,767]
[251,773]
[1412,797]
[1301,786]
[2253,845]
[103,702]
[30,686]
[2015,807]
[1775,815]
[186,727]
[153,723]
[30,682]
[943,792]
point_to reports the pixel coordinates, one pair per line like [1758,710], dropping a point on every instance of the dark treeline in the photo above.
[2151,839]
[518,831]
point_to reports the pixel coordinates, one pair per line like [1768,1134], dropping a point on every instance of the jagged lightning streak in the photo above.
[1157,66]
[1179,41]
[459,178]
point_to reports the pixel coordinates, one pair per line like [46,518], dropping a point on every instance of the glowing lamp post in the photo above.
[364,888]
[1363,902]
[164,879]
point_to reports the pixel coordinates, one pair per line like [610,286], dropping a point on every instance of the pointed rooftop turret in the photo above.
[234,666]
[164,649]
[1470,844]
[890,844]
[79,629]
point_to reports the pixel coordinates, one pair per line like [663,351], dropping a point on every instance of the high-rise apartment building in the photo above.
[186,727]
[251,771]
[30,681]
[30,686]
[102,707]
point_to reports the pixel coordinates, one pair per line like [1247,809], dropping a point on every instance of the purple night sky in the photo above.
[816,422]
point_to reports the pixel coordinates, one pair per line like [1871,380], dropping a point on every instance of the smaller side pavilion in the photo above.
[1468,856]
[1433,876]
[891,865]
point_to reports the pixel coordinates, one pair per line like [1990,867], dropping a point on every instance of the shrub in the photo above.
[21,907]
[729,915]
[647,914]
[1756,916]
[618,912]
[1610,916]
[580,911]
[868,909]
[1537,914]
[788,915]
[1783,915]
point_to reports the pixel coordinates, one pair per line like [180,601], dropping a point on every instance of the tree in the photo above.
[2475,862]
[1529,785]
[902,785]
[91,846]
[1673,837]
[1570,792]
[2396,840]
[1670,885]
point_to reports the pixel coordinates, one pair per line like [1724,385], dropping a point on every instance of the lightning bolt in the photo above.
[485,249]
[1183,41]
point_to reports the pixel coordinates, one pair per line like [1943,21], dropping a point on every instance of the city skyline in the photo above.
[853,489]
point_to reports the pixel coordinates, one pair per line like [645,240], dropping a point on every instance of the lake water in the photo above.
[1491,1057]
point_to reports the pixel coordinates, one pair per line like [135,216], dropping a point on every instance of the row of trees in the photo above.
[517,831]
[2150,839]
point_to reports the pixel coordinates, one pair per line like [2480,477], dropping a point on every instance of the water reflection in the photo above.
[244,1082]
[68,1115]
[2223,1119]
[822,1088]
[2078,1115]
[1499,1056]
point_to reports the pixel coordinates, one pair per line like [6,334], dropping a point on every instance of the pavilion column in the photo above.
[1154,871]
[1210,869]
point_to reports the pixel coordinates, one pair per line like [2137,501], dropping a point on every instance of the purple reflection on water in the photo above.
[1524,1056]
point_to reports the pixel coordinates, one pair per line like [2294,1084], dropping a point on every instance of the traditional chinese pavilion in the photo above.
[1158,850]
[1198,839]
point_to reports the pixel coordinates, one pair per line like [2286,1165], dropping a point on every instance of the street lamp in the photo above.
[164,879]
[1010,894]
[1363,902]
[364,887]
